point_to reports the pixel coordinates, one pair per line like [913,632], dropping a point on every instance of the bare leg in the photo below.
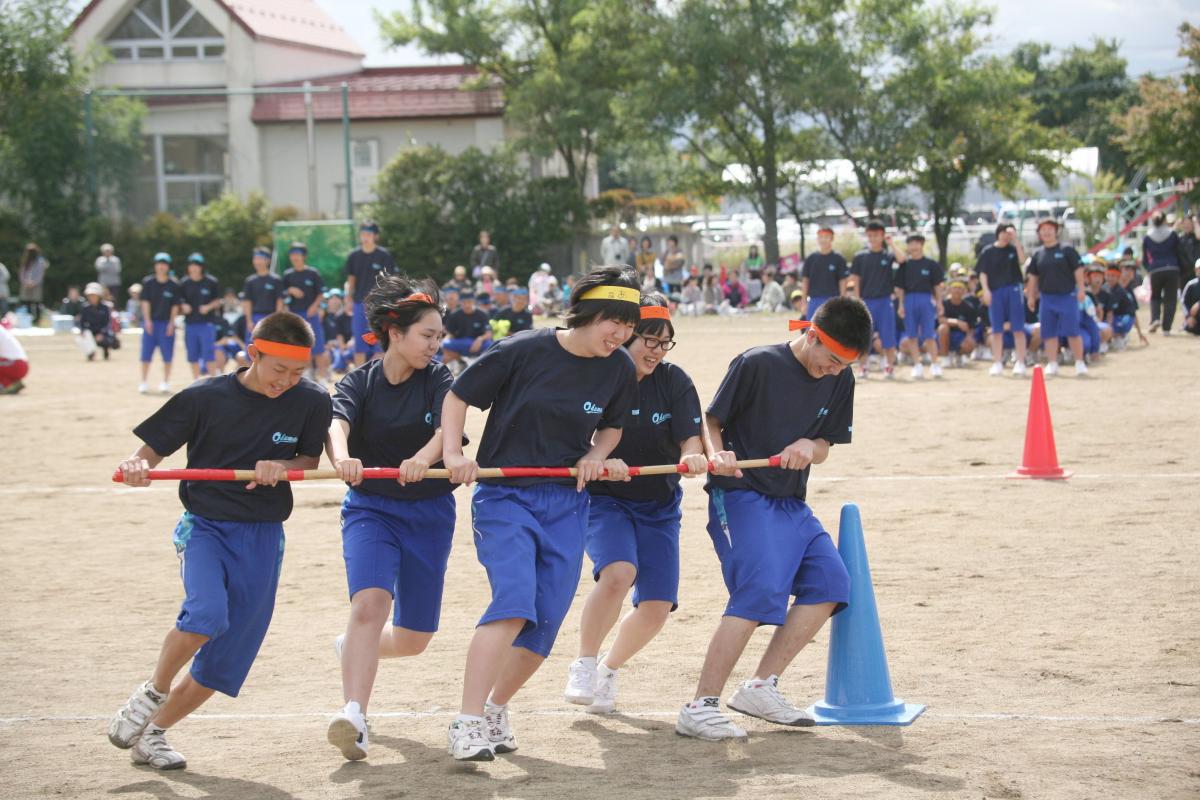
[789,639]
[724,650]
[145,371]
[402,642]
[360,649]
[184,699]
[1050,348]
[637,629]
[943,333]
[486,656]
[890,355]
[518,668]
[1019,345]
[177,650]
[603,606]
[932,349]
[1076,344]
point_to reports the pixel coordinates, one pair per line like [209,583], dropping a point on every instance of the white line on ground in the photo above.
[559,712]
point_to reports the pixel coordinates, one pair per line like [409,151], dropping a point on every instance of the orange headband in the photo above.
[294,352]
[834,346]
[416,297]
[656,312]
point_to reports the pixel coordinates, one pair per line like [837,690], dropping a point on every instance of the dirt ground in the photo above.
[1052,628]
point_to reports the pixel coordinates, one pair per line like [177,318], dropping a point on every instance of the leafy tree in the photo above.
[433,205]
[1093,204]
[1159,131]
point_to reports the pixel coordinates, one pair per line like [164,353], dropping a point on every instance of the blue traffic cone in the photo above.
[858,688]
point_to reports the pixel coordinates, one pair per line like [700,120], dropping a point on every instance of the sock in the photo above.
[353,709]
[588,660]
[704,702]
[491,704]
[758,684]
[605,667]
[468,718]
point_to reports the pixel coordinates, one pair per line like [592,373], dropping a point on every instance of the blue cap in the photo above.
[450,289]
[163,257]
[333,293]
[483,297]
[265,252]
[298,247]
[369,226]
[195,258]
[519,291]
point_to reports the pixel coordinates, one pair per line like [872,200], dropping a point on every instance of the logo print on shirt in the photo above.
[591,408]
[696,420]
[824,412]
[635,412]
[428,417]
[659,418]
[283,438]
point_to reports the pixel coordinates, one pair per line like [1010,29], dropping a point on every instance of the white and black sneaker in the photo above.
[133,717]
[468,740]
[702,719]
[763,699]
[581,681]
[499,733]
[152,750]
[349,732]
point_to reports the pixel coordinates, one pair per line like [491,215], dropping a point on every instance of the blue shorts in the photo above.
[1122,324]
[200,341]
[255,318]
[401,546]
[231,350]
[158,340]
[814,303]
[643,533]
[772,548]
[1090,332]
[463,346]
[883,320]
[920,321]
[956,340]
[530,541]
[230,573]
[1008,307]
[1059,316]
[358,324]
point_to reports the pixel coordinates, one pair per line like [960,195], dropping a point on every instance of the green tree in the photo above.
[44,155]
[1093,204]
[1159,131]
[973,119]
[433,204]
[560,65]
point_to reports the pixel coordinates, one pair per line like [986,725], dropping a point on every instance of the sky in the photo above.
[1146,28]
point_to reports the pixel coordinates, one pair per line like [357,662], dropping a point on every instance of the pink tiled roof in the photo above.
[389,93]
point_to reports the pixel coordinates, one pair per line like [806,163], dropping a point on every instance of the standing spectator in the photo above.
[161,296]
[14,364]
[919,283]
[72,304]
[613,250]
[646,257]
[674,263]
[823,274]
[999,268]
[33,277]
[1189,245]
[95,323]
[133,307]
[200,297]
[262,292]
[1055,280]
[484,254]
[1161,257]
[543,289]
[364,266]
[4,279]
[773,299]
[632,249]
[1191,303]
[108,273]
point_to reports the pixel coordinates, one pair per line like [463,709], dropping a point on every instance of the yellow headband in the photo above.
[621,293]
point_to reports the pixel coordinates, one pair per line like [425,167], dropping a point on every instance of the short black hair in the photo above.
[876,225]
[847,320]
[285,327]
[673,238]
[653,326]
[915,237]
[581,313]
[387,305]
[1003,226]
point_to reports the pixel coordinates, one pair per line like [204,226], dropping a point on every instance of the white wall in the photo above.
[274,63]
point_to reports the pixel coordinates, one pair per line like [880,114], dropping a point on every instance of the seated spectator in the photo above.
[772,299]
[754,288]
[14,364]
[95,324]
[500,301]
[797,300]
[735,296]
[133,307]
[450,298]
[228,347]
[1191,304]
[517,313]
[460,281]
[956,329]
[468,332]
[1119,309]
[72,304]
[691,298]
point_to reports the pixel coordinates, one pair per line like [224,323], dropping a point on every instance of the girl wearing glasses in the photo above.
[633,527]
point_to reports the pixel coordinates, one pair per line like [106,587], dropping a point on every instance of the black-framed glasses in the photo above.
[657,344]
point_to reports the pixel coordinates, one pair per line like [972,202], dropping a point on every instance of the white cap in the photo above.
[93,288]
[545,267]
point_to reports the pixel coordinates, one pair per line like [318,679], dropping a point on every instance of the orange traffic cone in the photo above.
[1041,457]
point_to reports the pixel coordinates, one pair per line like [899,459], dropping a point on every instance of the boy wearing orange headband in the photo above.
[265,417]
[793,400]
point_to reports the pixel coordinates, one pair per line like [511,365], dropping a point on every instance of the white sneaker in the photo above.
[604,698]
[468,741]
[143,388]
[133,717]
[918,371]
[1052,368]
[1166,331]
[1018,369]
[702,719]
[862,372]
[935,370]
[499,733]
[889,373]
[945,362]
[164,388]
[349,732]
[766,702]
[581,681]
[152,749]
[338,642]
[997,368]
[1080,369]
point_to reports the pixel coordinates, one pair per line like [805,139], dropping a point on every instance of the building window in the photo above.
[165,30]
[179,173]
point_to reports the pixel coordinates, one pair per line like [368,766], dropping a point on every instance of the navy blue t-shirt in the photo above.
[1001,266]
[227,426]
[161,297]
[545,402]
[768,400]
[966,311]
[95,318]
[263,291]
[223,328]
[1118,302]
[461,325]
[1055,268]
[824,271]
[307,280]
[391,422]
[667,415]
[875,271]
[518,320]
[366,268]
[199,293]
[920,275]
